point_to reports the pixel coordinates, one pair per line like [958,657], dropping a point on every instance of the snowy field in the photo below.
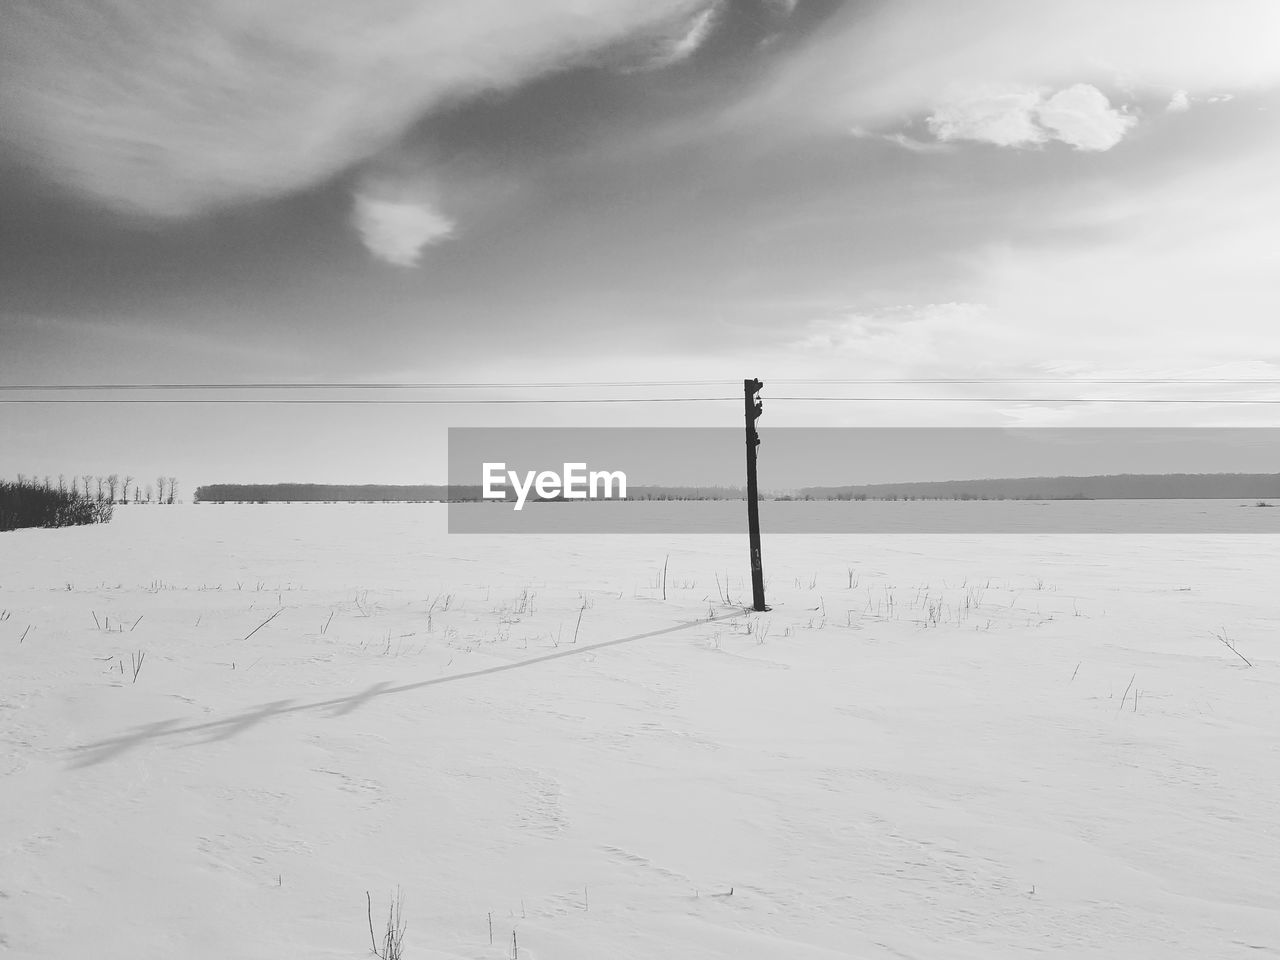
[933,747]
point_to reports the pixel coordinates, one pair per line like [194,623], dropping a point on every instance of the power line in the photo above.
[380,401]
[621,384]
[1190,400]
[514,401]
[379,385]
[990,380]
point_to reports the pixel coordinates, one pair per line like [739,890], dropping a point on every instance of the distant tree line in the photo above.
[30,504]
[657,492]
[1131,486]
[328,493]
[654,492]
[411,493]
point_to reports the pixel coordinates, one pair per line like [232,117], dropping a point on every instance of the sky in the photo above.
[622,190]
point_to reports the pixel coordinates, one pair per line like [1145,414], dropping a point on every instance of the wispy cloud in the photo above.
[166,110]
[907,339]
[1184,276]
[782,7]
[903,140]
[678,43]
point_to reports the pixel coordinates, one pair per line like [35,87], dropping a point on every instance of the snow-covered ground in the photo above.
[933,747]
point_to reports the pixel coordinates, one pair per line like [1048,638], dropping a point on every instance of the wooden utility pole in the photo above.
[752,408]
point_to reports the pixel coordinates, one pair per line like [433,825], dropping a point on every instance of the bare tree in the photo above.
[125,495]
[159,489]
[173,488]
[22,478]
[148,493]
[113,485]
[48,482]
[137,494]
[62,483]
[86,478]
[98,481]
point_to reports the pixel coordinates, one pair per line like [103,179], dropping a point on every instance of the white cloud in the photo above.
[395,231]
[1180,102]
[397,210]
[1082,116]
[1006,118]
[881,64]
[166,109]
